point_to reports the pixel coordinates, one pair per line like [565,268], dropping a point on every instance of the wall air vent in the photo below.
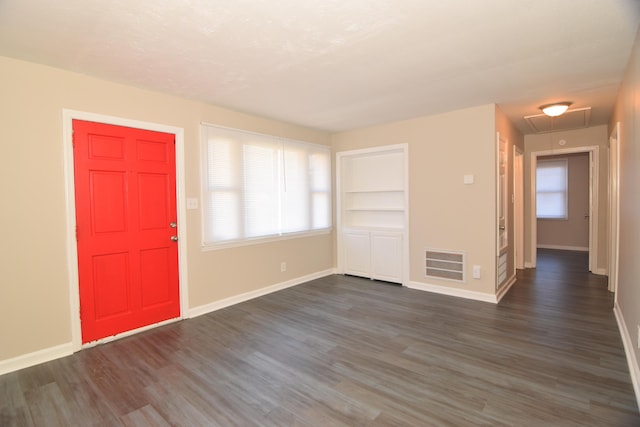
[448,265]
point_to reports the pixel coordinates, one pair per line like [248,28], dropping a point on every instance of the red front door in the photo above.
[125,188]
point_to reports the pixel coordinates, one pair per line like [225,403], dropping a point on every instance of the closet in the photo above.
[372,212]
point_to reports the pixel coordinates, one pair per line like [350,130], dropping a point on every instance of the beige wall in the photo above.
[593,136]
[627,112]
[572,233]
[443,212]
[34,299]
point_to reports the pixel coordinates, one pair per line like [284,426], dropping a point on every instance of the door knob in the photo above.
[173,224]
[174,238]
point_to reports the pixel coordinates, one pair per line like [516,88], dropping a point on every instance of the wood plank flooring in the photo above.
[345,351]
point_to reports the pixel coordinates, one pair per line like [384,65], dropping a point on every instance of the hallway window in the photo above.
[552,189]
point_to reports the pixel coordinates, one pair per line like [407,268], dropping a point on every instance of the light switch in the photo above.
[468,179]
[192,203]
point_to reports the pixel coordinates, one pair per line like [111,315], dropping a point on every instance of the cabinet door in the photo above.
[357,253]
[386,256]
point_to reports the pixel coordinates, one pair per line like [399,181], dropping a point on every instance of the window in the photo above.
[259,186]
[551,189]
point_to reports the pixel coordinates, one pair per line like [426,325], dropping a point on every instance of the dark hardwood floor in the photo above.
[349,351]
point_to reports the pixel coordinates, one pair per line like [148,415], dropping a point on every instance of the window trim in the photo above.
[247,241]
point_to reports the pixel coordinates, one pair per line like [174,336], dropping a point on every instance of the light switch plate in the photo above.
[192,203]
[468,179]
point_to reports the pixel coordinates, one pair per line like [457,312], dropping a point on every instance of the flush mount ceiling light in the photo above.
[554,110]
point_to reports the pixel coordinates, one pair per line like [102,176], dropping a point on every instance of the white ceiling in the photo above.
[340,64]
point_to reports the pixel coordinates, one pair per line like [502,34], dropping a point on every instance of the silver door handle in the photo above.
[173,224]
[174,238]
[502,227]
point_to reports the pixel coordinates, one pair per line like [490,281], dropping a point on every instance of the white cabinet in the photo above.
[373,254]
[386,256]
[357,252]
[372,212]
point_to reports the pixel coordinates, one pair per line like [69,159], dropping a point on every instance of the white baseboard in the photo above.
[453,292]
[35,358]
[627,342]
[528,265]
[52,353]
[236,299]
[505,288]
[564,248]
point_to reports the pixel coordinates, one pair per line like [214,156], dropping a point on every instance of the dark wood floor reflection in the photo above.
[348,351]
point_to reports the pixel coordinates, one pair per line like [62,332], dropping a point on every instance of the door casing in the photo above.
[72,249]
[594,165]
[614,208]
[518,210]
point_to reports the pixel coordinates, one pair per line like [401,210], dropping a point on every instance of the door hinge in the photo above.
[76,233]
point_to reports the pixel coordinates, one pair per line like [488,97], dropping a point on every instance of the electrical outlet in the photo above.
[283,267]
[475,272]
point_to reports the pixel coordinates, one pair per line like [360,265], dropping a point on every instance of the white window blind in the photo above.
[261,186]
[552,189]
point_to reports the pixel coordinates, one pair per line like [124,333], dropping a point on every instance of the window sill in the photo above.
[261,240]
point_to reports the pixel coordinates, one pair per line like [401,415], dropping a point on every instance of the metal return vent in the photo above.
[446,265]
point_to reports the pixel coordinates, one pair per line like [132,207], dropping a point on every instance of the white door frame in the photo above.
[340,227]
[72,247]
[518,208]
[594,160]
[614,207]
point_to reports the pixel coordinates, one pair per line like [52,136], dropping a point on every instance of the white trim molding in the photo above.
[35,358]
[505,288]
[67,349]
[594,214]
[632,361]
[237,299]
[454,292]
[565,248]
[72,249]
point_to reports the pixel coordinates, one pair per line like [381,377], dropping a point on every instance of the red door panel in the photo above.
[125,204]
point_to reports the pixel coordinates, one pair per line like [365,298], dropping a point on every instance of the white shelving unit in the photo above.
[372,212]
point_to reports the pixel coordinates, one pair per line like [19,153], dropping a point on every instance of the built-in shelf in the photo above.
[372,212]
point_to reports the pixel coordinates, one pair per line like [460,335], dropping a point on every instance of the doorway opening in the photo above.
[591,215]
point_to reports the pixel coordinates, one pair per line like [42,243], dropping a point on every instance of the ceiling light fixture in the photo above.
[554,110]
